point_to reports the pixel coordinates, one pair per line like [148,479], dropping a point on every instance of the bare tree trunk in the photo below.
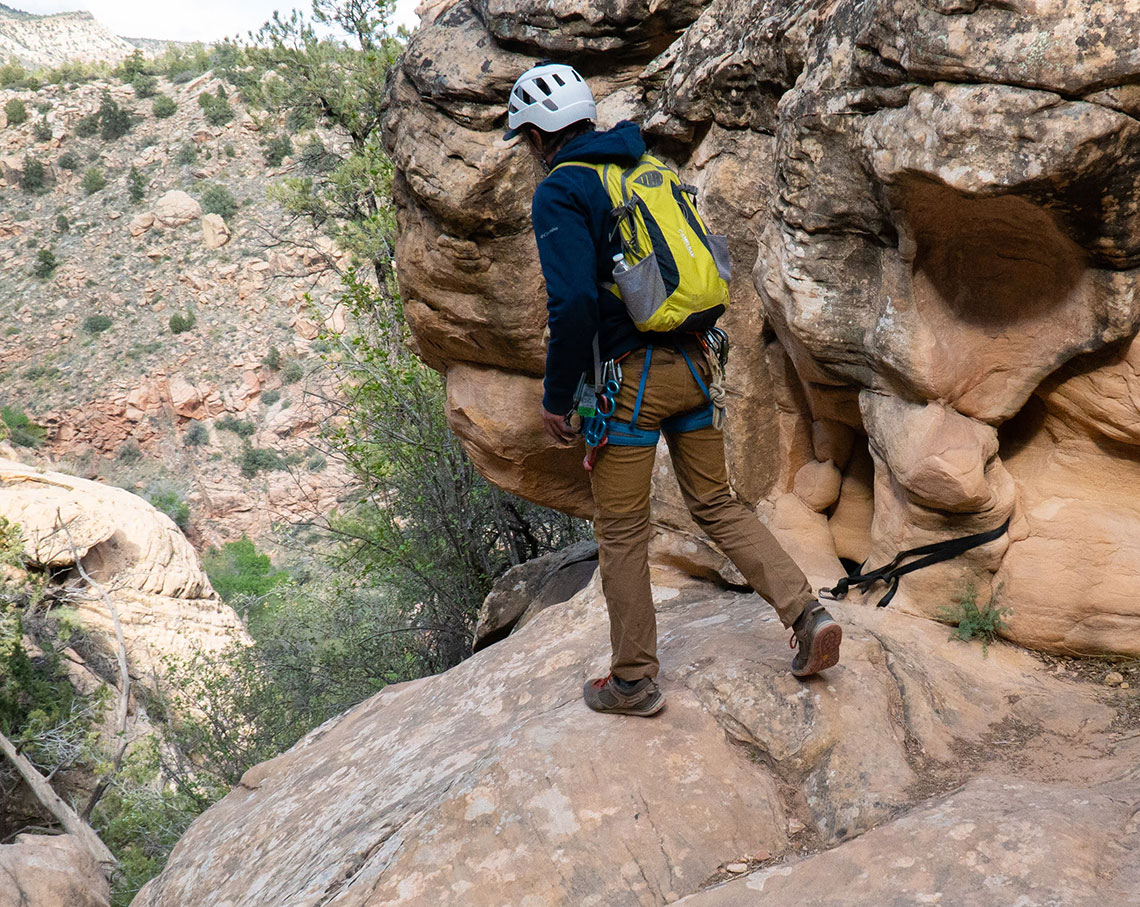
[54,804]
[123,705]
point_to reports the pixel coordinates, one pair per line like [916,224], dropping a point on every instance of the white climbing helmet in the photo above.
[549,96]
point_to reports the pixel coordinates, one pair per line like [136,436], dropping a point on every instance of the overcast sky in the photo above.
[186,20]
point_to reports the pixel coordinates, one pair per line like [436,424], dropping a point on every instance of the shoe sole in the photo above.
[645,709]
[824,650]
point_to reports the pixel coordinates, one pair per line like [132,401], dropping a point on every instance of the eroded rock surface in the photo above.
[939,205]
[50,871]
[993,842]
[136,554]
[494,784]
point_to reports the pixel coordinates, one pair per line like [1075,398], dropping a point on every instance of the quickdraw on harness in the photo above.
[596,408]
[594,403]
[927,554]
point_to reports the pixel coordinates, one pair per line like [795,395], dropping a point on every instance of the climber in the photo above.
[664,381]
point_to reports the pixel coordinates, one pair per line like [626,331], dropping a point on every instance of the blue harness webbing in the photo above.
[627,434]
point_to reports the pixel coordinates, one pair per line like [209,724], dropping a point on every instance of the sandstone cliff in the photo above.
[939,205]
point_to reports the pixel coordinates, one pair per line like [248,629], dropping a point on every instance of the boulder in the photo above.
[525,590]
[176,208]
[215,233]
[142,222]
[186,399]
[50,871]
[138,555]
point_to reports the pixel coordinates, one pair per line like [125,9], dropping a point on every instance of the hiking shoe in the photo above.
[817,635]
[644,698]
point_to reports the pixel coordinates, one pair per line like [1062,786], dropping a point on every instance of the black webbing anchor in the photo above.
[926,554]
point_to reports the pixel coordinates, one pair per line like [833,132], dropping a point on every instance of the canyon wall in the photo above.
[934,214]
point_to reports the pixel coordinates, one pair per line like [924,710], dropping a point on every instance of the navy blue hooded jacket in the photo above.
[572,224]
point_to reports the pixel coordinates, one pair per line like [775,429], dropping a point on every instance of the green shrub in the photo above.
[132,67]
[32,176]
[164,106]
[93,180]
[42,131]
[229,149]
[96,324]
[136,185]
[196,435]
[180,324]
[239,570]
[215,107]
[299,118]
[268,398]
[13,75]
[316,463]
[217,199]
[260,459]
[75,72]
[62,224]
[972,622]
[16,112]
[21,430]
[114,121]
[145,85]
[272,359]
[46,263]
[316,159]
[140,820]
[69,161]
[293,372]
[170,502]
[129,451]
[87,126]
[41,371]
[237,426]
[276,148]
[183,76]
[187,154]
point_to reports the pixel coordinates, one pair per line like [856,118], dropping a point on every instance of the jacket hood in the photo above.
[622,144]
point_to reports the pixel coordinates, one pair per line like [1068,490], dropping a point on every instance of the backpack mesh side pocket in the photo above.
[718,245]
[642,289]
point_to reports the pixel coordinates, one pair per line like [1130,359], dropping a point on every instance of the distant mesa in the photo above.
[38,41]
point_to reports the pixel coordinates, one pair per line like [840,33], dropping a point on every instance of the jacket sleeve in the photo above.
[566,249]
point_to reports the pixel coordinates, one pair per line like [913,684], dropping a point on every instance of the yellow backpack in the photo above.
[675,273]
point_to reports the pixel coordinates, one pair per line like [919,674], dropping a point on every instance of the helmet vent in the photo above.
[557,78]
[549,104]
[527,98]
[542,86]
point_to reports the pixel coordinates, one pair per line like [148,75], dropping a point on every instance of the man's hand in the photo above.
[557,427]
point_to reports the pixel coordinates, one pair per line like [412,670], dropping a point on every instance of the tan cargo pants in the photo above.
[621,480]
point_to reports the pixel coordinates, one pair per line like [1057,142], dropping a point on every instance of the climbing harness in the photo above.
[596,408]
[927,554]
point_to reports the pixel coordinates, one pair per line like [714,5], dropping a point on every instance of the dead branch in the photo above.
[122,707]
[53,803]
